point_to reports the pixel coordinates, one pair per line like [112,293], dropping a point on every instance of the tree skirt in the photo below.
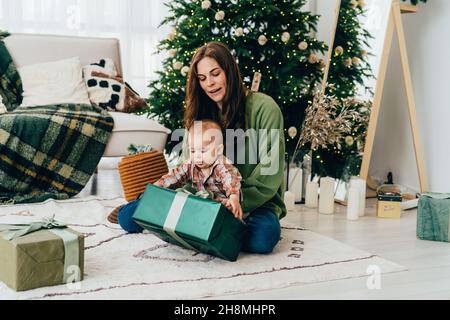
[122,266]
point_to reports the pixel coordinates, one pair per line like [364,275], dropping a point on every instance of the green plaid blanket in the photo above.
[10,82]
[50,151]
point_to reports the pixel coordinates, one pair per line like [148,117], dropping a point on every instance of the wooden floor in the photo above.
[428,263]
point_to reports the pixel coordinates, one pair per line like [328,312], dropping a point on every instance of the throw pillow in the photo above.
[54,83]
[105,66]
[108,90]
[10,82]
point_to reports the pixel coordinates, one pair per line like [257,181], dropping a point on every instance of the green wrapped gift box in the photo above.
[41,258]
[433,217]
[199,224]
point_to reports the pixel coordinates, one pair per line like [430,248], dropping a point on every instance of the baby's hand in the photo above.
[235,207]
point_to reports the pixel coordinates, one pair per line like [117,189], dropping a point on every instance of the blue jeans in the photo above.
[263,228]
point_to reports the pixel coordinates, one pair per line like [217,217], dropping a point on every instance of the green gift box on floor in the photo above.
[44,257]
[433,217]
[198,224]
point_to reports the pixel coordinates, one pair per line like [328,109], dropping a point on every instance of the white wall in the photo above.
[427,37]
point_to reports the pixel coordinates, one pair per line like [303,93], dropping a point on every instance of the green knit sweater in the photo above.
[262,175]
[263,182]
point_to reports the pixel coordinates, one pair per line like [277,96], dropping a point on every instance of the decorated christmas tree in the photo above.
[349,68]
[270,38]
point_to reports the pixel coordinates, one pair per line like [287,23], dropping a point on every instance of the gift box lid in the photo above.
[200,219]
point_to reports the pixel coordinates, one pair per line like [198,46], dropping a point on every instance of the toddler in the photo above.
[207,168]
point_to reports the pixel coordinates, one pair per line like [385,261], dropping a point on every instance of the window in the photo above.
[133,22]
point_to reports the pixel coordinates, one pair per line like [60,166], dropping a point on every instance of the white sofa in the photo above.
[27,49]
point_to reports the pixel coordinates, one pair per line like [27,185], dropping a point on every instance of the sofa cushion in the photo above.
[51,83]
[108,90]
[132,129]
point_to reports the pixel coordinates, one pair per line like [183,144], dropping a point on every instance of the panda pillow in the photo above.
[107,90]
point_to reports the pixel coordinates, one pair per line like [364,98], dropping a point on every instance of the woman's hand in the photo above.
[235,207]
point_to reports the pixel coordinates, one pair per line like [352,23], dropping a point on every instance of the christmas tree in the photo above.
[272,38]
[349,66]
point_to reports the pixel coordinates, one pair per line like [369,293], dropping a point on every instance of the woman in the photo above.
[215,90]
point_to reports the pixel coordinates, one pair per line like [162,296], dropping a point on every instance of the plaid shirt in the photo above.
[223,181]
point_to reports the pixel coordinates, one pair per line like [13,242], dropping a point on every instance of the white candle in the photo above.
[353,204]
[326,200]
[289,201]
[312,192]
[295,183]
[360,184]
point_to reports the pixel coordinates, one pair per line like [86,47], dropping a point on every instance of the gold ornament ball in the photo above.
[292,132]
[173,53]
[177,65]
[356,61]
[349,140]
[184,71]
[239,32]
[313,58]
[206,4]
[339,50]
[262,40]
[348,62]
[303,45]
[285,37]
[220,15]
[171,34]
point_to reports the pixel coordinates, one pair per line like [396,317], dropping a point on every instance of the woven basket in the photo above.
[137,171]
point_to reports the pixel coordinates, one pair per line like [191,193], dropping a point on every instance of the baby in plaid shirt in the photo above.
[207,168]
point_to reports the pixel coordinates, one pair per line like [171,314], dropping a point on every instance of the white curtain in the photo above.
[134,22]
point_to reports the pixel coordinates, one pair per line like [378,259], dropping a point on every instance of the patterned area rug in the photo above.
[122,266]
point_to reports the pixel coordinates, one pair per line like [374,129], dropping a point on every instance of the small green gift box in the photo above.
[40,254]
[196,223]
[433,217]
